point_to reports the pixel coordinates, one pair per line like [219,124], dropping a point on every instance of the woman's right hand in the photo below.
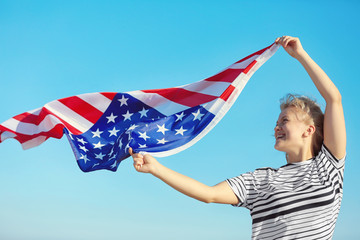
[144,163]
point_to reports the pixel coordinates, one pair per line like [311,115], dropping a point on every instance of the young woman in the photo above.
[300,200]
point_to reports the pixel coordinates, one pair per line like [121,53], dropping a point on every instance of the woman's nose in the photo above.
[276,128]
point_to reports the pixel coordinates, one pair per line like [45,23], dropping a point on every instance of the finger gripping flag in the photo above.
[102,126]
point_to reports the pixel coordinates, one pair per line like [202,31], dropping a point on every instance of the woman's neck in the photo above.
[300,156]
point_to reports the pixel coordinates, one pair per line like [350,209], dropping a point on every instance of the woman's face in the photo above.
[289,131]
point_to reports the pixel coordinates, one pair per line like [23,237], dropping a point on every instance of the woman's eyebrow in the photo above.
[281,118]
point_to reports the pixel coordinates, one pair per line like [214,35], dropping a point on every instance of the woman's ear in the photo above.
[310,130]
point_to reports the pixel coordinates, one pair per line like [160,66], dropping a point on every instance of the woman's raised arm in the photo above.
[334,122]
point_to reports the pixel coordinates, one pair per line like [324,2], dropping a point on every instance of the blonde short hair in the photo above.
[312,115]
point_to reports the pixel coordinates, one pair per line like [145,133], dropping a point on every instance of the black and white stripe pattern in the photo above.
[297,201]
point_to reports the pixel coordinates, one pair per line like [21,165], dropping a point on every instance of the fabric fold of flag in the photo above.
[102,126]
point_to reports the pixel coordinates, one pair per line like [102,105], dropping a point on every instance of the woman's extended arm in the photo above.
[334,123]
[220,193]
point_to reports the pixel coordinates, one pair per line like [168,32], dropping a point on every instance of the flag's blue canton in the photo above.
[129,122]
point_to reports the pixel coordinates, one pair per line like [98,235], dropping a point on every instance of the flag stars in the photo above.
[100,156]
[127,147]
[70,135]
[111,118]
[81,140]
[95,165]
[142,145]
[114,164]
[98,145]
[143,112]
[83,148]
[180,131]
[127,115]
[84,157]
[120,144]
[97,133]
[113,132]
[180,116]
[132,127]
[143,135]
[111,152]
[162,128]
[197,115]
[112,157]
[161,141]
[123,101]
[129,138]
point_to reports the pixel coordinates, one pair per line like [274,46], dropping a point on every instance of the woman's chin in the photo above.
[278,147]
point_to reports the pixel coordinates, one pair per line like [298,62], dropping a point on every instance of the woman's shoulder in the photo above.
[325,155]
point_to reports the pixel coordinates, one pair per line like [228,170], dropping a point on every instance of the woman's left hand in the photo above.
[291,45]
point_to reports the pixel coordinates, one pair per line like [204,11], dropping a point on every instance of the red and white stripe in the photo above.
[218,87]
[79,113]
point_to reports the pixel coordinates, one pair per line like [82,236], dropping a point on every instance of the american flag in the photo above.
[102,126]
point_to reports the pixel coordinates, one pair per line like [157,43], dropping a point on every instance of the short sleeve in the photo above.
[241,186]
[326,154]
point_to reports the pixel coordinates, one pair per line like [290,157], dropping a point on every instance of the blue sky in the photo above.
[56,49]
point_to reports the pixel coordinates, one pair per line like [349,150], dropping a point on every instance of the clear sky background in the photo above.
[55,49]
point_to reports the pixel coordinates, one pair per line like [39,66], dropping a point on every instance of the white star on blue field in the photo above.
[145,130]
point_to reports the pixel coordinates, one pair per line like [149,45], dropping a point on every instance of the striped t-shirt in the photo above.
[297,201]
